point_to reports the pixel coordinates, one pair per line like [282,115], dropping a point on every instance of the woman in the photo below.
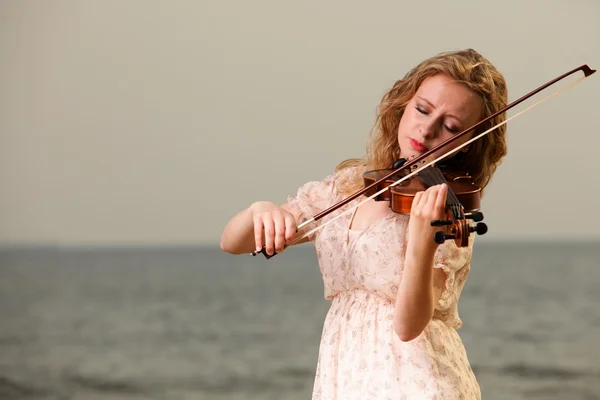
[390,332]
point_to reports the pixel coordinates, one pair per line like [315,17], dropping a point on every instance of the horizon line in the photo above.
[215,246]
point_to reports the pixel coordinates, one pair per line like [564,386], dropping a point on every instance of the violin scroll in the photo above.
[461,229]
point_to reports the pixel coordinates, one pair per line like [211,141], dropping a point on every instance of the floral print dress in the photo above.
[360,355]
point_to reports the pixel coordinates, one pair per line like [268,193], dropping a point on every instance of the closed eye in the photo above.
[448,128]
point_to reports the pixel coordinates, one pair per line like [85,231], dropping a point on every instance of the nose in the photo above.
[428,131]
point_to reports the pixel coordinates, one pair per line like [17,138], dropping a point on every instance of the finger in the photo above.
[432,198]
[440,201]
[290,227]
[279,223]
[416,201]
[417,206]
[258,232]
[425,199]
[269,233]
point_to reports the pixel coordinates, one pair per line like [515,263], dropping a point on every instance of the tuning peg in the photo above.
[441,222]
[480,228]
[475,216]
[440,237]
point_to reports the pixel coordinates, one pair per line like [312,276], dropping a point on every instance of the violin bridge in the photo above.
[419,164]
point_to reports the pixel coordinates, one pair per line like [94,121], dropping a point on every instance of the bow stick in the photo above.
[426,158]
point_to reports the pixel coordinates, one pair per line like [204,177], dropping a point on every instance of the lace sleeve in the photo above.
[455,262]
[312,198]
[316,196]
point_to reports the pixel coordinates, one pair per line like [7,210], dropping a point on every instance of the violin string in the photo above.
[428,176]
[331,220]
[451,192]
[433,176]
[455,205]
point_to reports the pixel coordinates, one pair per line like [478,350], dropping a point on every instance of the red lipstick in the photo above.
[417,146]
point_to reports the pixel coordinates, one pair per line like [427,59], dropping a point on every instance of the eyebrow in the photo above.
[431,105]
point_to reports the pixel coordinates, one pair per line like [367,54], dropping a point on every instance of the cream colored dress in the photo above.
[360,356]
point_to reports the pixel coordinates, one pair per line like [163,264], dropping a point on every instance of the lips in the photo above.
[417,146]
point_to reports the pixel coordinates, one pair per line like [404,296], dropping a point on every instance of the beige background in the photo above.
[152,122]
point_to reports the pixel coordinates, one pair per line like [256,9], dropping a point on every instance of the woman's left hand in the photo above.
[427,206]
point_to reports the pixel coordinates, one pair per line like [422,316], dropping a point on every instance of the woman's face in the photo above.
[440,109]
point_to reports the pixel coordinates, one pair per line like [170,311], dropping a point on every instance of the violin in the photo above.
[386,184]
[463,198]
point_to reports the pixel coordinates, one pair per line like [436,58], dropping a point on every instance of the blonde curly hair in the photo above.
[466,66]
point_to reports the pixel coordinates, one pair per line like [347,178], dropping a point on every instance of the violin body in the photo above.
[401,196]
[463,199]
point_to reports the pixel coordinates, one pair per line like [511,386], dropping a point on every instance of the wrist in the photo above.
[259,206]
[420,255]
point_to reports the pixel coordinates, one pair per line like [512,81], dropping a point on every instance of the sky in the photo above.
[151,123]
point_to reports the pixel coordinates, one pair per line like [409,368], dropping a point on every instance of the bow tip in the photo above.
[587,71]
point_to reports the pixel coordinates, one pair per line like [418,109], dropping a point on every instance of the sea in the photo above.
[197,323]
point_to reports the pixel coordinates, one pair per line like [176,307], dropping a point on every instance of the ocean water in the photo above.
[201,324]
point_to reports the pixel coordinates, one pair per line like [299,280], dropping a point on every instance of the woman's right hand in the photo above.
[274,226]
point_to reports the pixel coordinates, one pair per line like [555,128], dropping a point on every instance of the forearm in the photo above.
[416,296]
[238,235]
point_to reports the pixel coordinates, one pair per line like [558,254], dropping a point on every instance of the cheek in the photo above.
[403,125]
[410,118]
